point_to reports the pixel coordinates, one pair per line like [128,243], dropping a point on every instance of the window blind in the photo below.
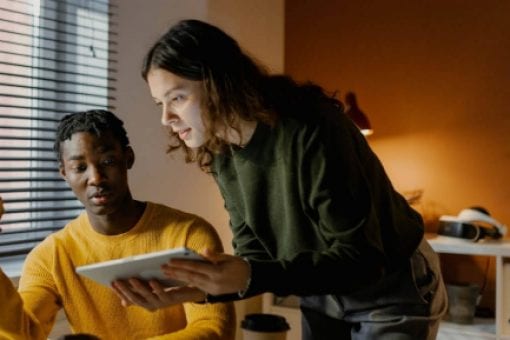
[56,57]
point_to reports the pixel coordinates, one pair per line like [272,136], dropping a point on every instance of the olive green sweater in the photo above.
[312,208]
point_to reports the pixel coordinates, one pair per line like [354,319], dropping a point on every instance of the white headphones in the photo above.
[472,223]
[475,215]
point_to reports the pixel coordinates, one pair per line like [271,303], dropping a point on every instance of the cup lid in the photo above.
[262,322]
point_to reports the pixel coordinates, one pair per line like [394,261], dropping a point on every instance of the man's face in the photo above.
[96,170]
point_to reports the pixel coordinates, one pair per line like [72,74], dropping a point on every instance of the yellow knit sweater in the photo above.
[49,282]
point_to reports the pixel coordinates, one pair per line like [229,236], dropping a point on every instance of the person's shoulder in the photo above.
[306,101]
[303,125]
[184,222]
[45,250]
[179,215]
[71,228]
[161,208]
[58,238]
[321,112]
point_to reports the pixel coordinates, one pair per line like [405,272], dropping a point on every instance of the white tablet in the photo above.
[145,267]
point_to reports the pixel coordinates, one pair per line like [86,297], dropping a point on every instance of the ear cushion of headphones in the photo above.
[466,230]
[452,228]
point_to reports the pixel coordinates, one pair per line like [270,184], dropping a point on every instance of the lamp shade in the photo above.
[357,116]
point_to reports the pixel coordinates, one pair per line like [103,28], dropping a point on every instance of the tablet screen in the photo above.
[145,267]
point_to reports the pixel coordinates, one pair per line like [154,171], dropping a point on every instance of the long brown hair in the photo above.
[236,87]
[231,80]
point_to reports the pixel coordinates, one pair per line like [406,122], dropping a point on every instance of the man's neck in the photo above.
[120,221]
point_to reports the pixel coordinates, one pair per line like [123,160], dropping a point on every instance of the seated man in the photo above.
[94,157]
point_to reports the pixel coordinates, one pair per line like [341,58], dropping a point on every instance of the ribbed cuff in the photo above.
[204,301]
[242,292]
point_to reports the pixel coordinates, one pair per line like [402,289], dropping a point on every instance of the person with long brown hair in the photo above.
[312,210]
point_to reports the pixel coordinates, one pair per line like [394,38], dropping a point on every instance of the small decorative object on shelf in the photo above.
[474,223]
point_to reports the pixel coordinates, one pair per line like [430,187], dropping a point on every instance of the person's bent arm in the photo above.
[215,321]
[16,321]
[204,320]
[152,295]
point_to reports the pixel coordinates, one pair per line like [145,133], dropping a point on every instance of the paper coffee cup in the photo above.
[259,326]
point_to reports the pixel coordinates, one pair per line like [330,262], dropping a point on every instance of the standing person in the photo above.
[312,211]
[94,157]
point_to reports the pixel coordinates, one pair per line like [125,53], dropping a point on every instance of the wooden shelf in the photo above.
[498,328]
[481,328]
[451,245]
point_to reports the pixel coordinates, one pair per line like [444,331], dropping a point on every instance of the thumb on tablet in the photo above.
[212,255]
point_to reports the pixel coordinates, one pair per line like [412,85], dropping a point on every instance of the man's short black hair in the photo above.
[93,121]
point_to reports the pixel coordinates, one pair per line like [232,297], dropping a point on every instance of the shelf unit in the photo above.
[498,328]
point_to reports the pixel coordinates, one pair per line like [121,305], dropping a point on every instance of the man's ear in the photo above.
[130,157]
[62,171]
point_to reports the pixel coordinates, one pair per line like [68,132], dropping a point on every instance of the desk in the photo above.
[500,249]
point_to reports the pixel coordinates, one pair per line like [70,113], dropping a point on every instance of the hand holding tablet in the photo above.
[145,267]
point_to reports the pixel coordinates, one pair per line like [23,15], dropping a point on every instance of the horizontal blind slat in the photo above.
[63,61]
[20,148]
[10,253]
[28,230]
[31,159]
[24,241]
[30,128]
[41,219]
[45,119]
[50,89]
[30,169]
[38,108]
[39,199]
[48,29]
[32,179]
[59,81]
[107,4]
[57,71]
[17,211]
[43,189]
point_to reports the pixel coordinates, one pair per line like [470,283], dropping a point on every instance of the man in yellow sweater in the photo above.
[94,156]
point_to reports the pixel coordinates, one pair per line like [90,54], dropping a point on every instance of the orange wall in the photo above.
[434,79]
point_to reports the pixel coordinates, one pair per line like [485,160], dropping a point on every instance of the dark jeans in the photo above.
[407,305]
